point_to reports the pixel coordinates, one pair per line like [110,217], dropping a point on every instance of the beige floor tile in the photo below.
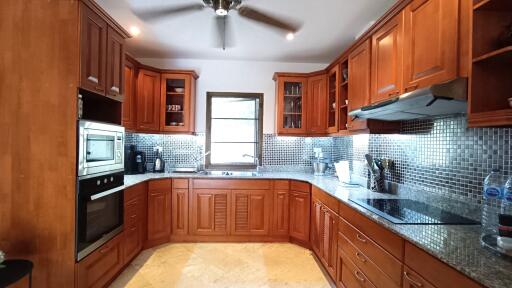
[223,265]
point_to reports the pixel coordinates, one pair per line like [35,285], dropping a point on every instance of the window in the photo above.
[234,130]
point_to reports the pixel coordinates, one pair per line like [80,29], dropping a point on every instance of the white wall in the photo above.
[234,76]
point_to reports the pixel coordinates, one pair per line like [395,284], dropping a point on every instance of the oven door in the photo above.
[100,148]
[99,217]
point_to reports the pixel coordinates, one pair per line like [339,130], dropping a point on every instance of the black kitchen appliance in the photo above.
[135,161]
[99,211]
[407,211]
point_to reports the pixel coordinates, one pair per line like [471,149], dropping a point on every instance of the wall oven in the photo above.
[100,148]
[99,211]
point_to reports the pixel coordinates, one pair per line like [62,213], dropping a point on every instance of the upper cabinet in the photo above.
[359,85]
[317,103]
[291,103]
[430,43]
[333,92]
[386,69]
[178,102]
[148,101]
[93,50]
[130,91]
[101,52]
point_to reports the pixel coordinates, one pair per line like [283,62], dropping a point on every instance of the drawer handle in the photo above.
[105,250]
[93,79]
[360,238]
[133,229]
[133,216]
[360,257]
[359,276]
[413,282]
[391,94]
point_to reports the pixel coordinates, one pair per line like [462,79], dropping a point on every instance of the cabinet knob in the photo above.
[413,282]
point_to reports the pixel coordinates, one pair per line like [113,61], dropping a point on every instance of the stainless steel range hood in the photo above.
[440,99]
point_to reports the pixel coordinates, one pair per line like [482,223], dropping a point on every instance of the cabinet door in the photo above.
[115,63]
[180,211]
[291,112]
[299,215]
[210,212]
[333,99]
[93,50]
[359,83]
[387,56]
[281,212]
[177,106]
[148,101]
[430,42]
[250,212]
[317,227]
[129,105]
[132,227]
[317,105]
[159,212]
[98,268]
[329,243]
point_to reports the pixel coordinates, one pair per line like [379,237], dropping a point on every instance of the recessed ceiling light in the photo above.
[135,31]
[221,12]
[290,36]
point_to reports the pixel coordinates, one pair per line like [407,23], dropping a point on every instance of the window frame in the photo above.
[259,148]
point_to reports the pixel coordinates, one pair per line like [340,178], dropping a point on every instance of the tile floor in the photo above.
[222,265]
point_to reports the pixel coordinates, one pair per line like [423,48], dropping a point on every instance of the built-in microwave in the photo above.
[100,148]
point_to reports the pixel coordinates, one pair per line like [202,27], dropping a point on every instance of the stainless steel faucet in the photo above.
[199,161]
[257,160]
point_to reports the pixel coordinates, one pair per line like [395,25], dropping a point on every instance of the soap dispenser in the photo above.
[159,161]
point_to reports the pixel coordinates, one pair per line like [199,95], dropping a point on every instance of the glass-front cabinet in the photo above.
[178,103]
[332,96]
[291,106]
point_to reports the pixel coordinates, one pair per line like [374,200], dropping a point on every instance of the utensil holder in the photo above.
[377,182]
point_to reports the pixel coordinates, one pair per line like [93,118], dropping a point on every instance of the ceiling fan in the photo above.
[222,9]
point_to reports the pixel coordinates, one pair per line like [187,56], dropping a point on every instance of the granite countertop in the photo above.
[456,245]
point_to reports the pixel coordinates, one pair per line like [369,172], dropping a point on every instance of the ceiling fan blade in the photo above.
[264,18]
[223,31]
[155,14]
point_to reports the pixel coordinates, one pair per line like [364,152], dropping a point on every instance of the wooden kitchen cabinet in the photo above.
[333,99]
[135,206]
[93,50]
[98,268]
[323,237]
[299,215]
[430,43]
[250,212]
[386,69]
[210,212]
[281,211]
[115,64]
[129,119]
[291,111]
[412,280]
[180,209]
[317,105]
[359,83]
[177,107]
[148,100]
[159,212]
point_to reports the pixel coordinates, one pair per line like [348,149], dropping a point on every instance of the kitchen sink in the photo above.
[231,173]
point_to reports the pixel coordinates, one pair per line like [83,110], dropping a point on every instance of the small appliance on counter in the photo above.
[320,163]
[159,166]
[135,161]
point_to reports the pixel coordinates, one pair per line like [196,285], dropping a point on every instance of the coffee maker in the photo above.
[135,161]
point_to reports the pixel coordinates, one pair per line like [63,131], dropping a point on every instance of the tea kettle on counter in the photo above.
[159,161]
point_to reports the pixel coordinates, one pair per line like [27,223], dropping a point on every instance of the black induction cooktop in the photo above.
[406,211]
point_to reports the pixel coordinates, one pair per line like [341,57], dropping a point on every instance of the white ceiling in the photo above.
[329,26]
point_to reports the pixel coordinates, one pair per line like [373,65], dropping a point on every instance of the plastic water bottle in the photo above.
[493,185]
[506,203]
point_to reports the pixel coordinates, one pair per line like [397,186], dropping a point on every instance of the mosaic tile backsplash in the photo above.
[440,156]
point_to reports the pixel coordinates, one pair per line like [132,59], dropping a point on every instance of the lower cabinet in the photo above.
[250,212]
[210,210]
[134,220]
[99,268]
[413,280]
[281,212]
[323,236]
[159,212]
[299,215]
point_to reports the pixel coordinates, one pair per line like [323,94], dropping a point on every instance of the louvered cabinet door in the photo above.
[210,211]
[251,212]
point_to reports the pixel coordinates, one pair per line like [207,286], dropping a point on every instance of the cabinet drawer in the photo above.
[391,242]
[382,259]
[299,186]
[438,273]
[281,185]
[329,201]
[180,184]
[134,191]
[98,269]
[413,280]
[160,184]
[351,276]
[367,266]
[232,184]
